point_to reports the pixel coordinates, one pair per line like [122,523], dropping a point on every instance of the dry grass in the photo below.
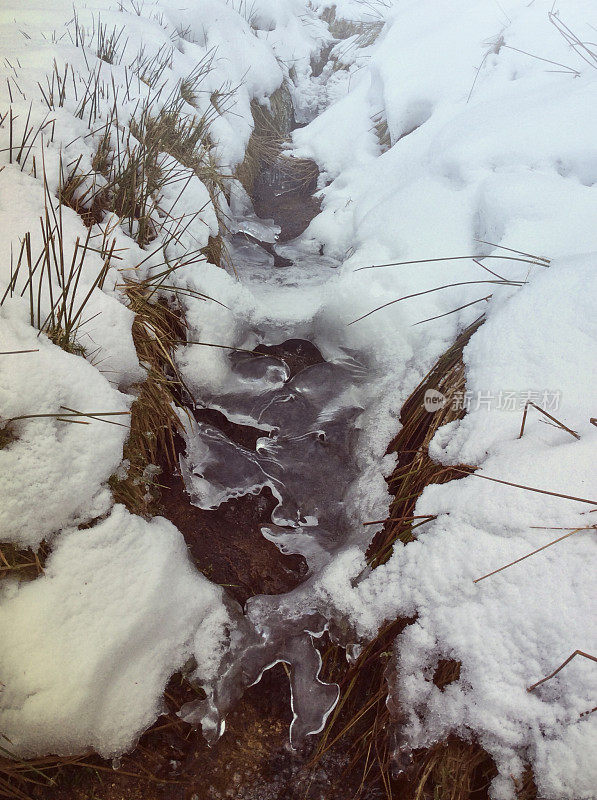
[382,132]
[415,469]
[52,277]
[265,150]
[364,31]
[451,770]
[215,251]
[157,328]
[24,564]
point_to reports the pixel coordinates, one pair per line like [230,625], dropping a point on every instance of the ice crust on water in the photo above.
[306,460]
[259,642]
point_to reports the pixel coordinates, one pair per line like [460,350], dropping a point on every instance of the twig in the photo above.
[532,553]
[531,260]
[221,346]
[454,310]
[17,352]
[549,416]
[430,291]
[401,519]
[77,414]
[510,250]
[522,486]
[562,665]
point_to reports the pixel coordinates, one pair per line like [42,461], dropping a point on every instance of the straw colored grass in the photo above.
[415,468]
[157,328]
[23,564]
[265,150]
[451,770]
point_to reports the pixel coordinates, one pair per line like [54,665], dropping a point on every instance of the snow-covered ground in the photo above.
[460,124]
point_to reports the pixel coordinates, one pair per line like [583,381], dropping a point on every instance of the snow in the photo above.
[53,474]
[88,647]
[510,164]
[488,144]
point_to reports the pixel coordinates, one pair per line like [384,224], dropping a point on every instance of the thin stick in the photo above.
[453,311]
[528,555]
[510,250]
[400,519]
[17,352]
[491,272]
[569,70]
[93,416]
[430,291]
[559,528]
[553,419]
[562,665]
[586,713]
[448,258]
[78,414]
[528,488]
[221,346]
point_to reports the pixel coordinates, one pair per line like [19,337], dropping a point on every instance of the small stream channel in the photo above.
[270,459]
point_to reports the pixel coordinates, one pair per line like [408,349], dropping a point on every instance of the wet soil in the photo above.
[288,200]
[227,546]
[226,543]
[252,761]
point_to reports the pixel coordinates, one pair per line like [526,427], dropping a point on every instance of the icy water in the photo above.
[303,453]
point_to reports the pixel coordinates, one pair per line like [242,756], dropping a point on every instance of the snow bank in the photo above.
[487,143]
[52,473]
[88,647]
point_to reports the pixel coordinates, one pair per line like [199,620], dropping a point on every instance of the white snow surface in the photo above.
[88,647]
[487,143]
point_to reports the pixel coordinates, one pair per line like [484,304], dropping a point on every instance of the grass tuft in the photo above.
[452,770]
[155,421]
[265,151]
[53,277]
[23,564]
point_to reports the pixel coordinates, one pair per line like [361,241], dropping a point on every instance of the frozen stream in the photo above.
[304,454]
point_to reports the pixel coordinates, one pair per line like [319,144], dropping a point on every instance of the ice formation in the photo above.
[306,459]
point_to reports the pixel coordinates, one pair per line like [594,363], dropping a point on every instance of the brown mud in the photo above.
[287,199]
[226,544]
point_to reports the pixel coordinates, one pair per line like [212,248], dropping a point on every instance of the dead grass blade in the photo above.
[528,404]
[562,665]
[533,552]
[527,488]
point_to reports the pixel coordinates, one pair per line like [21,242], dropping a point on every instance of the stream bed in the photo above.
[270,456]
